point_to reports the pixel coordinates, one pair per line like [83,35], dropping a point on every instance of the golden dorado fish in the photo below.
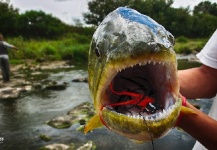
[133,76]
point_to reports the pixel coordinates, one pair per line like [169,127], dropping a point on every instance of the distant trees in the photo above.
[204,19]
[100,8]
[179,21]
[38,24]
[30,24]
[206,7]
[201,22]
[159,10]
[8,16]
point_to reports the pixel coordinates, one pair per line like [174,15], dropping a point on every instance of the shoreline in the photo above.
[25,77]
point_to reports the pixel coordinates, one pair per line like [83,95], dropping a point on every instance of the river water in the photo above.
[23,120]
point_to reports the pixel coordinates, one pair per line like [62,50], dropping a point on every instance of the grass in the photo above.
[184,45]
[72,47]
[75,47]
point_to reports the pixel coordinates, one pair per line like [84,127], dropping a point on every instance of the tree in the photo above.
[8,18]
[174,20]
[178,21]
[206,7]
[203,25]
[38,24]
[99,9]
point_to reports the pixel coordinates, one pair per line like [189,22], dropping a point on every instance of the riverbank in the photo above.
[31,76]
[24,120]
[48,118]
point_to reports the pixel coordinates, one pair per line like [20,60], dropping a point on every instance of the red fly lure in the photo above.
[138,99]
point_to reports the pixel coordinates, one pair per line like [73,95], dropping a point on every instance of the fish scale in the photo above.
[128,44]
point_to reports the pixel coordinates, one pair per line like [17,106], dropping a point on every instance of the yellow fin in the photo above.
[94,122]
[187,111]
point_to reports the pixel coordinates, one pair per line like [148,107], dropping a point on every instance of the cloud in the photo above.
[63,0]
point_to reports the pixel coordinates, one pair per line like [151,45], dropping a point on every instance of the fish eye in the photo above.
[97,52]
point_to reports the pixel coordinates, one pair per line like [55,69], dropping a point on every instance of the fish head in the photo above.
[131,60]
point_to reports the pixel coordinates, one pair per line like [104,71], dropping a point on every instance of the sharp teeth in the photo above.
[164,112]
[151,61]
[160,115]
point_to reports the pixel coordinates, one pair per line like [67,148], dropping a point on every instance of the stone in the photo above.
[80,80]
[56,87]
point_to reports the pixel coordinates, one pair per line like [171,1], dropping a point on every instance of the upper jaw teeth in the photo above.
[142,64]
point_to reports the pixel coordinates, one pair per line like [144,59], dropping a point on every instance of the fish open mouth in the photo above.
[133,76]
[144,91]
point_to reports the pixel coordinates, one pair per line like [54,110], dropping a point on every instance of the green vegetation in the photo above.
[179,21]
[73,47]
[200,22]
[42,37]
[183,64]
[187,46]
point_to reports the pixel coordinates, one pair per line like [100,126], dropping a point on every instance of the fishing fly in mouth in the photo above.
[132,77]
[142,91]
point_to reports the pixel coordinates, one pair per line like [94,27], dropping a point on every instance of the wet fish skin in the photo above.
[125,39]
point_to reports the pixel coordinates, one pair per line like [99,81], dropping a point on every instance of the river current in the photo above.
[23,120]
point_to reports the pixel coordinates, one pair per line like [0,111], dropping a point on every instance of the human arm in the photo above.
[7,45]
[198,82]
[200,126]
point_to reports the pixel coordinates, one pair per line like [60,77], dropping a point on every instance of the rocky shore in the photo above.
[30,77]
[79,115]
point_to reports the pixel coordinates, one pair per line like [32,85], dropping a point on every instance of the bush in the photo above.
[48,50]
[192,45]
[184,49]
[76,52]
[182,39]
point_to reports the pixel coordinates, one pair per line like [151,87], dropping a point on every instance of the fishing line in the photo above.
[126,97]
[124,108]
[149,131]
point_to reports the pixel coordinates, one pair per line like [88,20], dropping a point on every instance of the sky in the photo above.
[69,10]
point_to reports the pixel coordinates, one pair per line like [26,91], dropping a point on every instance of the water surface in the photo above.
[23,120]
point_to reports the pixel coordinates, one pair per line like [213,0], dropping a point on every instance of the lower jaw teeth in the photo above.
[160,114]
